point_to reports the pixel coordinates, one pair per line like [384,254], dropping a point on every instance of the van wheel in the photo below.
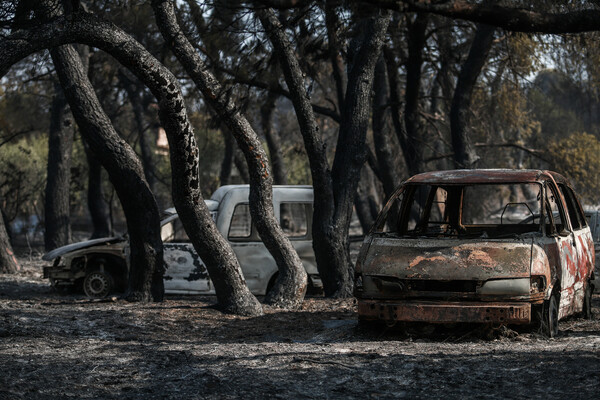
[587,301]
[549,322]
[98,284]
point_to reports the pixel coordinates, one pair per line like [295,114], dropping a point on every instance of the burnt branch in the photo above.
[509,18]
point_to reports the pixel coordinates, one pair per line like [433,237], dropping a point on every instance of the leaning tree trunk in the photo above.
[232,293]
[97,206]
[8,261]
[464,153]
[57,224]
[290,287]
[334,192]
[125,172]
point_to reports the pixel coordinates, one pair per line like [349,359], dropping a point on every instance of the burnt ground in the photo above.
[54,346]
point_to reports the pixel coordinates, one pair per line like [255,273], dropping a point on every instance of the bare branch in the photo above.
[509,18]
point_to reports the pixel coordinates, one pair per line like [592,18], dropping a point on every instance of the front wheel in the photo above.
[587,301]
[98,284]
[549,322]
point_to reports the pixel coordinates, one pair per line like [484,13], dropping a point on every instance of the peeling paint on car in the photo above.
[432,258]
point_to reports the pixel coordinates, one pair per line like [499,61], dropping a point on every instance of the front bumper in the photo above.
[444,312]
[58,273]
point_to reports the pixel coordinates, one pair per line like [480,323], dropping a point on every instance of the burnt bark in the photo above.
[97,206]
[464,153]
[291,284]
[8,261]
[57,224]
[125,172]
[335,190]
[273,140]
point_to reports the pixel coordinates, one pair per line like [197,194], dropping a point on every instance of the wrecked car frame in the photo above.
[485,246]
[101,266]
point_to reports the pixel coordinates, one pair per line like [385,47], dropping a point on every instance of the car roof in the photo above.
[220,193]
[470,176]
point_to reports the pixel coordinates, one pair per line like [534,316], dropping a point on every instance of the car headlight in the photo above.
[538,283]
[519,286]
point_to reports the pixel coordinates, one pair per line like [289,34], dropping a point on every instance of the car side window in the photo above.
[241,222]
[575,214]
[553,217]
[294,219]
[174,232]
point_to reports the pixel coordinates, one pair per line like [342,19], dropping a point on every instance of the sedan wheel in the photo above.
[98,284]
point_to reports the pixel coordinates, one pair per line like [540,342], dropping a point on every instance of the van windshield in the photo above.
[478,210]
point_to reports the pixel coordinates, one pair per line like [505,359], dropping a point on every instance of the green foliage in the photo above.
[23,176]
[577,156]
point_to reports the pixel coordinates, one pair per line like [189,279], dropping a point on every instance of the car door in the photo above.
[185,272]
[583,245]
[258,266]
[562,248]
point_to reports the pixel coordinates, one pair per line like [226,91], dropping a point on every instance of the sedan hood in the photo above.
[448,259]
[51,255]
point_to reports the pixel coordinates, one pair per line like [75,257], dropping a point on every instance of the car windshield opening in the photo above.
[477,210]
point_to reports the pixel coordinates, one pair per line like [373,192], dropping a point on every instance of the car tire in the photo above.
[549,320]
[587,301]
[98,284]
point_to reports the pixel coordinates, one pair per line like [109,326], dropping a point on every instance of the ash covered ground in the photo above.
[55,346]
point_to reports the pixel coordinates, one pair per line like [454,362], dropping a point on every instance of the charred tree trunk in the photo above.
[464,153]
[125,172]
[232,293]
[385,147]
[273,140]
[227,163]
[335,50]
[414,64]
[291,284]
[240,164]
[334,191]
[97,206]
[56,202]
[8,261]
[366,201]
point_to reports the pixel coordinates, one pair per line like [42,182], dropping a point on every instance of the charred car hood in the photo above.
[51,255]
[451,259]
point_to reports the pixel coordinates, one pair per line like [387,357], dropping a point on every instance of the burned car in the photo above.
[481,246]
[593,218]
[100,266]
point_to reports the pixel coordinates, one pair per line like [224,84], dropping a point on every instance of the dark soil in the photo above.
[55,346]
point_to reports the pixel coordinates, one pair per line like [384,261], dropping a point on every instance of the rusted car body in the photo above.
[101,265]
[593,217]
[486,246]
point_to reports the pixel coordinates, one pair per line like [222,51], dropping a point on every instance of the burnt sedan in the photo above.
[484,246]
